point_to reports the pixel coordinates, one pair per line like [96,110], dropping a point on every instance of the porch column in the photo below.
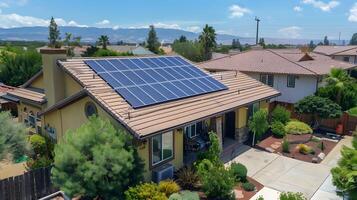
[219,130]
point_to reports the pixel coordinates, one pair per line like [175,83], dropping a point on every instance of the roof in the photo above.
[136,50]
[146,121]
[284,61]
[5,88]
[29,95]
[336,50]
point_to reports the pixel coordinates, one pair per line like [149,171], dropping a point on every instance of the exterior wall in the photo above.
[264,105]
[71,86]
[304,86]
[353,59]
[38,83]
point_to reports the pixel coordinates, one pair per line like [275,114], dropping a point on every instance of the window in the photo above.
[267,79]
[162,147]
[346,59]
[191,131]
[90,109]
[291,81]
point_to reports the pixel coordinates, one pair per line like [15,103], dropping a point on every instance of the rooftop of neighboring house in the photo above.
[5,88]
[282,61]
[137,50]
[337,50]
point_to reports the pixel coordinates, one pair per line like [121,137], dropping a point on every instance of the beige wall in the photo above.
[241,117]
[38,82]
[21,106]
[71,86]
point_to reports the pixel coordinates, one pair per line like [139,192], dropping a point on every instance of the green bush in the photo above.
[105,52]
[260,198]
[38,144]
[353,111]
[239,171]
[185,195]
[304,149]
[278,129]
[145,191]
[187,178]
[39,162]
[286,146]
[297,128]
[218,183]
[247,186]
[280,114]
[291,196]
[169,187]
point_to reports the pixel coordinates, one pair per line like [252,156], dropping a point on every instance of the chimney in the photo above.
[53,76]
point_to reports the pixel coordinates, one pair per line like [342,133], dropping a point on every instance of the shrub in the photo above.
[321,146]
[258,124]
[286,146]
[280,114]
[260,198]
[352,111]
[38,144]
[214,151]
[297,128]
[185,195]
[145,191]
[239,171]
[187,178]
[247,186]
[169,187]
[218,183]
[39,162]
[278,129]
[304,149]
[291,196]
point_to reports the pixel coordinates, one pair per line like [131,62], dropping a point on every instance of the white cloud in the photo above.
[322,5]
[290,32]
[238,11]
[168,26]
[116,27]
[104,22]
[353,14]
[194,29]
[73,23]
[4,5]
[297,9]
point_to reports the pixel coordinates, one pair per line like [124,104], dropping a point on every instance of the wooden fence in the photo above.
[31,185]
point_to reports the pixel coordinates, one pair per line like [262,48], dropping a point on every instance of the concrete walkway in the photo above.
[286,174]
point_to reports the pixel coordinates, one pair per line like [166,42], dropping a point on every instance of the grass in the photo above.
[353,111]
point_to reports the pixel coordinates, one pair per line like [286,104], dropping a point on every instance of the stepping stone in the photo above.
[275,146]
[238,194]
[315,160]
[321,155]
[270,150]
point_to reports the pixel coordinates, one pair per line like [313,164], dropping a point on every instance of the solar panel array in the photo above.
[147,81]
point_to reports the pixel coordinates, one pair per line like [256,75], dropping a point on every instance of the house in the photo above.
[294,73]
[343,53]
[168,114]
[136,50]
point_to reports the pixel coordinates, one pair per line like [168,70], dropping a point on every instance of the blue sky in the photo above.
[306,19]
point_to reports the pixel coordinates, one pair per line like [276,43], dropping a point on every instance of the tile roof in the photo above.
[285,61]
[5,88]
[27,94]
[158,118]
[334,50]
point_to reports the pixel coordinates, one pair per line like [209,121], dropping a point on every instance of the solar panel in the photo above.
[147,81]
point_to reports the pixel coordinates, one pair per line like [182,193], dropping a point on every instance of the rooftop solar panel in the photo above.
[147,81]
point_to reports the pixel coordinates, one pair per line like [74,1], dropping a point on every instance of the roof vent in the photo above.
[306,57]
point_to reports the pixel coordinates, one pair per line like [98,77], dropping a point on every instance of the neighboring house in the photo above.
[136,50]
[216,55]
[342,53]
[6,105]
[167,134]
[293,73]
[78,51]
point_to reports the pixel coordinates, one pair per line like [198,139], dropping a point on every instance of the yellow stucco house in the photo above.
[168,135]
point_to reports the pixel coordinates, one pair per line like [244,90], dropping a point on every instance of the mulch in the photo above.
[273,145]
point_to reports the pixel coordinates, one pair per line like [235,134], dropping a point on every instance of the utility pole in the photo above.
[339,38]
[257,36]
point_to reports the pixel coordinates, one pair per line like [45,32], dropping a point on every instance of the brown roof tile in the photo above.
[334,50]
[28,95]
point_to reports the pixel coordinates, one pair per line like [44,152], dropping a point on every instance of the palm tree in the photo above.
[258,124]
[104,41]
[67,39]
[338,78]
[208,41]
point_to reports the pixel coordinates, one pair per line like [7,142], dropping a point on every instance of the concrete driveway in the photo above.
[286,174]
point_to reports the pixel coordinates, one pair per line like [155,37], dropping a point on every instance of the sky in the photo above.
[296,19]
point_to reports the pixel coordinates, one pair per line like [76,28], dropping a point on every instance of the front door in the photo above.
[230,125]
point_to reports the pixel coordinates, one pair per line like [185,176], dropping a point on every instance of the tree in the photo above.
[262,42]
[318,107]
[337,78]
[190,50]
[13,138]
[344,176]
[182,38]
[258,124]
[354,39]
[236,44]
[152,41]
[326,41]
[54,34]
[312,45]
[67,39]
[103,40]
[96,161]
[208,41]
[18,68]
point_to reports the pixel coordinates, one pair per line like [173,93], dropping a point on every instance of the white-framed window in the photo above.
[291,81]
[162,147]
[191,131]
[267,79]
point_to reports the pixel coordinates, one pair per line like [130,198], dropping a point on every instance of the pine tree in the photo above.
[354,39]
[152,41]
[54,34]
[326,41]
[183,38]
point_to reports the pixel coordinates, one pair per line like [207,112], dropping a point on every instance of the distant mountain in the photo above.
[136,35]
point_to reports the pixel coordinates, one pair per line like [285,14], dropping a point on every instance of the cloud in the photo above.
[290,32]
[104,22]
[297,9]
[194,29]
[16,20]
[4,5]
[322,5]
[353,14]
[237,11]
[116,27]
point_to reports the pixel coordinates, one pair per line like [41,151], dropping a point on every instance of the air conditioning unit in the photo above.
[162,173]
